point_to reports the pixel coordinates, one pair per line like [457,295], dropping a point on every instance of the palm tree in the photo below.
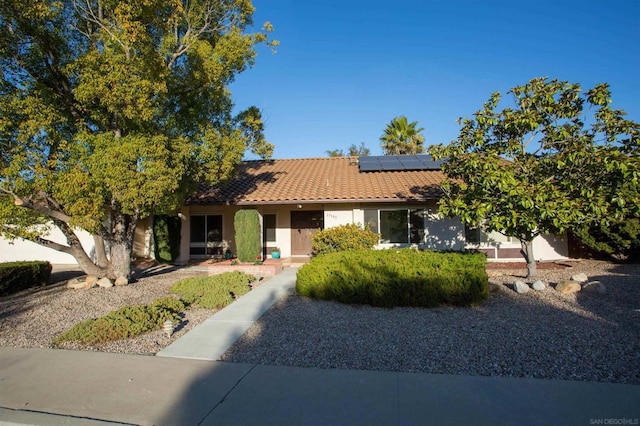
[401,137]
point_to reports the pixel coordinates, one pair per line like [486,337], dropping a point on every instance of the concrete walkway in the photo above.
[210,339]
[184,387]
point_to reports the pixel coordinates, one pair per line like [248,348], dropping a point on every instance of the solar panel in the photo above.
[398,162]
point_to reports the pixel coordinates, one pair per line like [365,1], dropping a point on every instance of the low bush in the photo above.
[16,276]
[124,323]
[342,238]
[389,278]
[213,291]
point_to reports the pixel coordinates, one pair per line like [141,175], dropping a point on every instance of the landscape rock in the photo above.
[594,287]
[581,277]
[105,282]
[77,284]
[538,285]
[494,287]
[120,281]
[520,287]
[91,280]
[568,287]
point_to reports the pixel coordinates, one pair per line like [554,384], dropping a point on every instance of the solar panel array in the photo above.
[398,162]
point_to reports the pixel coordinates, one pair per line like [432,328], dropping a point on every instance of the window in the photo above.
[475,235]
[205,235]
[402,226]
[269,225]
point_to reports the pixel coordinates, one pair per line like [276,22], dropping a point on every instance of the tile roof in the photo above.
[313,180]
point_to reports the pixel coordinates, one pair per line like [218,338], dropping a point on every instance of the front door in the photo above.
[303,226]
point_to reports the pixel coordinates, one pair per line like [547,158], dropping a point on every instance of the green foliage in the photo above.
[214,291]
[126,107]
[344,237]
[620,240]
[540,166]
[401,137]
[391,278]
[166,234]
[16,276]
[246,225]
[354,151]
[126,322]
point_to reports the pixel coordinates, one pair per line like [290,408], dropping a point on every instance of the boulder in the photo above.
[77,284]
[105,282]
[581,277]
[594,287]
[568,287]
[538,285]
[520,287]
[120,281]
[92,281]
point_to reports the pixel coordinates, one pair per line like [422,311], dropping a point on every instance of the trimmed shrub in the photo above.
[166,235]
[124,323]
[246,224]
[342,238]
[389,278]
[17,276]
[213,291]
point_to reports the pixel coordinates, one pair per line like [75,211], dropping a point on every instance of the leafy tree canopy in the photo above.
[354,151]
[111,111]
[554,159]
[401,137]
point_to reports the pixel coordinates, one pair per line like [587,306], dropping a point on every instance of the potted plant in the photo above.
[275,253]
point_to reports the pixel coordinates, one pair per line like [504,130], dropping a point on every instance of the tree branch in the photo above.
[45,210]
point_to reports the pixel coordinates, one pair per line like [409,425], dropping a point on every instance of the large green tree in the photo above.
[401,137]
[112,110]
[554,159]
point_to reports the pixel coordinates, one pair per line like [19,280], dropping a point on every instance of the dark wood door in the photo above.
[303,226]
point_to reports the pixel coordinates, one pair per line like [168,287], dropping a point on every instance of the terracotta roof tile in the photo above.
[326,180]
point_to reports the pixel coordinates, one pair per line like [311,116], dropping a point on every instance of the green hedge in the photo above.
[246,224]
[16,276]
[126,322]
[342,238]
[213,291]
[391,278]
[166,235]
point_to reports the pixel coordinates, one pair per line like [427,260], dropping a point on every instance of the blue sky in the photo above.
[345,68]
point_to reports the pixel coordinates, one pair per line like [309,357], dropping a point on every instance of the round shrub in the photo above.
[391,278]
[344,237]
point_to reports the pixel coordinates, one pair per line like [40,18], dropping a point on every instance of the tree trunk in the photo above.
[122,231]
[120,261]
[85,263]
[527,252]
[101,253]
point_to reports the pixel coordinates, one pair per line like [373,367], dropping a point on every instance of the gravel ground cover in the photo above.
[582,336]
[31,319]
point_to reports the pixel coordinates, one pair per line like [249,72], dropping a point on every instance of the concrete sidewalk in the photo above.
[75,387]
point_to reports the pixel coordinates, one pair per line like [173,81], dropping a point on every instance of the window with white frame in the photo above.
[397,226]
[205,235]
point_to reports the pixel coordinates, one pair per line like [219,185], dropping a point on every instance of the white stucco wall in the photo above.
[550,247]
[26,250]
